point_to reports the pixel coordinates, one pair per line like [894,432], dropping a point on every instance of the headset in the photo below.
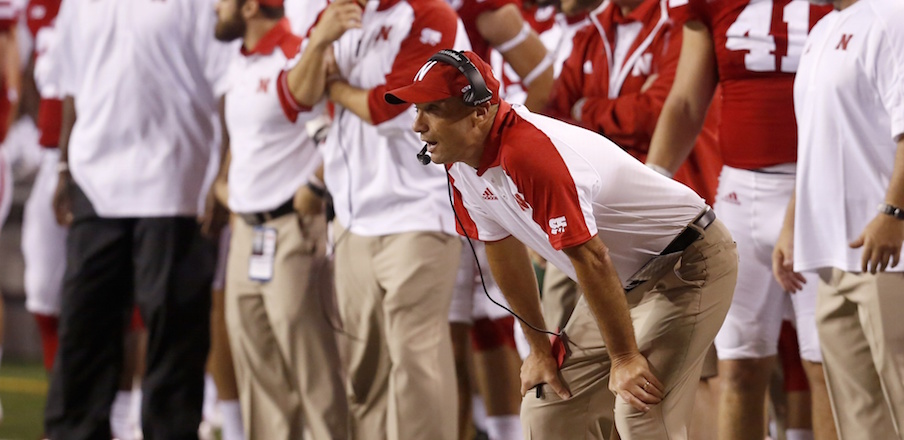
[477,92]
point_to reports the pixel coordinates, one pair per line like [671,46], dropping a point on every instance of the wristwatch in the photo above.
[891,210]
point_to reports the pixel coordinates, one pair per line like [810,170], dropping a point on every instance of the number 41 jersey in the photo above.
[758,44]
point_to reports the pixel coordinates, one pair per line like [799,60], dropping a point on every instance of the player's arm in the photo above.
[685,109]
[606,298]
[881,239]
[514,274]
[12,71]
[506,30]
[307,80]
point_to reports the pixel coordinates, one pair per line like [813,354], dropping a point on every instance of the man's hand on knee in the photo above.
[631,379]
[540,369]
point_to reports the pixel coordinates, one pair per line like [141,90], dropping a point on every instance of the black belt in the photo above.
[690,235]
[259,218]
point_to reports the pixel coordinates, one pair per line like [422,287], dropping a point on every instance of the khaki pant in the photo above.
[394,293]
[283,343]
[676,318]
[860,318]
[560,294]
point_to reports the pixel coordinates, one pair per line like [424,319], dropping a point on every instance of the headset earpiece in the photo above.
[478,93]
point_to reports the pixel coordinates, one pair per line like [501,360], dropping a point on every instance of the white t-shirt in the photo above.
[849,104]
[553,185]
[272,155]
[145,76]
[378,185]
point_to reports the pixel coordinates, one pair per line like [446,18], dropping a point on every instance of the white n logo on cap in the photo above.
[423,72]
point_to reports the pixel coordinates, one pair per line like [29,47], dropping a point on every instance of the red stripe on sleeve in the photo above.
[532,161]
[290,106]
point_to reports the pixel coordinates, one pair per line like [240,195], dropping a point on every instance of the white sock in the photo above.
[478,412]
[799,434]
[119,416]
[209,408]
[135,412]
[231,417]
[504,427]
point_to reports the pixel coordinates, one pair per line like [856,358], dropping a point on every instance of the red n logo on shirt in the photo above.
[845,39]
[263,85]
[384,33]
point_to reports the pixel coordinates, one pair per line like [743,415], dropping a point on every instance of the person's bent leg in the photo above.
[174,267]
[675,322]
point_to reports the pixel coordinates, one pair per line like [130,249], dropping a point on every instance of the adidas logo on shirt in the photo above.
[732,197]
[488,195]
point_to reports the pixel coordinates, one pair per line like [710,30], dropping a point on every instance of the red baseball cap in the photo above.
[271,3]
[437,80]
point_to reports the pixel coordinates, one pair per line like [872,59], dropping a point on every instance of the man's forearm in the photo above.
[68,121]
[307,80]
[514,274]
[895,194]
[605,296]
[352,98]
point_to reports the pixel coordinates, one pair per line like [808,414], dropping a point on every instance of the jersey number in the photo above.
[752,32]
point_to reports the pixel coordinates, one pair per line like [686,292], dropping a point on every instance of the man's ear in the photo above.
[250,9]
[482,111]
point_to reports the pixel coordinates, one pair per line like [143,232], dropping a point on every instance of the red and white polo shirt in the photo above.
[553,185]
[272,155]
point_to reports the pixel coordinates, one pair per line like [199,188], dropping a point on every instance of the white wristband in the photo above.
[514,41]
[62,167]
[660,170]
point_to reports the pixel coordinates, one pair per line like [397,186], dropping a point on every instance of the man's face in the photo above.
[571,7]
[448,127]
[230,24]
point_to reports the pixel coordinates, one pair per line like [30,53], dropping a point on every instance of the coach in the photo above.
[648,253]
[137,135]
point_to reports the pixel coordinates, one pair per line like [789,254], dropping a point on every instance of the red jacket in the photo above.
[614,104]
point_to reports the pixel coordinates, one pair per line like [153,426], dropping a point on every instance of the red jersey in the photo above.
[758,44]
[469,10]
[40,14]
[614,104]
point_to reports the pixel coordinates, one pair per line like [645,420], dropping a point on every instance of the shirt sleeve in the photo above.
[66,38]
[682,11]
[559,196]
[471,221]
[289,104]
[889,71]
[434,28]
[8,15]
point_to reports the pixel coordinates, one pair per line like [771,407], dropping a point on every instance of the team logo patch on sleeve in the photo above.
[557,225]
[431,36]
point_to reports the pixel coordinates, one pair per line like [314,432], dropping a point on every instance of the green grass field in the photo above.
[23,388]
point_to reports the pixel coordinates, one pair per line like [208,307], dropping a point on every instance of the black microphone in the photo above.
[424,156]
